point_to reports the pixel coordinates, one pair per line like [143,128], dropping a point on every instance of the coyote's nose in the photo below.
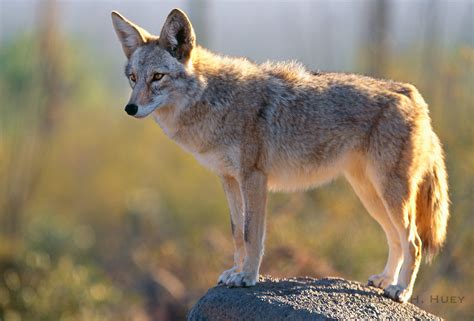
[131,109]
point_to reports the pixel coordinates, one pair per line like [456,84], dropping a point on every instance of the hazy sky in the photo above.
[323,34]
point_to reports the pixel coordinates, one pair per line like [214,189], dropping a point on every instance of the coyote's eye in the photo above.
[157,76]
[133,78]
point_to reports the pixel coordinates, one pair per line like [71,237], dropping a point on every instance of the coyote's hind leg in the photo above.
[399,195]
[366,192]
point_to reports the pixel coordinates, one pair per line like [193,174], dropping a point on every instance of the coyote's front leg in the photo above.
[253,188]
[234,200]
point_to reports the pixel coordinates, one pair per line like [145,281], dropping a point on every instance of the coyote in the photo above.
[278,126]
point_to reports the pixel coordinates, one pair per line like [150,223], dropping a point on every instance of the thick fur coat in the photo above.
[278,126]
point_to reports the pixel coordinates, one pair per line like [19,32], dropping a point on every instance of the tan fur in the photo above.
[432,203]
[278,126]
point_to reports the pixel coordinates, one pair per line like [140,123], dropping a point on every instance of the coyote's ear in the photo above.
[177,36]
[130,35]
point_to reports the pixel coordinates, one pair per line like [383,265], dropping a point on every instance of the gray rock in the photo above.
[302,299]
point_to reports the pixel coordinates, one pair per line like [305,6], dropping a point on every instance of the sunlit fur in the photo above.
[278,126]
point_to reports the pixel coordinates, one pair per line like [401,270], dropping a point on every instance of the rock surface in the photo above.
[302,299]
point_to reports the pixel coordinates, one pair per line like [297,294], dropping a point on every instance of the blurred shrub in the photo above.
[51,277]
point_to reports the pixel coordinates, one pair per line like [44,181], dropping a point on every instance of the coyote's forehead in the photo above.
[151,58]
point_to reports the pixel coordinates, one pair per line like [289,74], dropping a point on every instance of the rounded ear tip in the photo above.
[177,11]
[115,14]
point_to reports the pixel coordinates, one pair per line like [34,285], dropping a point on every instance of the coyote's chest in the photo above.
[198,140]
[221,162]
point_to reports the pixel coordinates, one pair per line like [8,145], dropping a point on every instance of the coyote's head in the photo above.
[159,69]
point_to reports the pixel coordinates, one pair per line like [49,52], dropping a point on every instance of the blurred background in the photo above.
[104,218]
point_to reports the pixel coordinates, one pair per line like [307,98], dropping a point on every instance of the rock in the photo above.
[302,299]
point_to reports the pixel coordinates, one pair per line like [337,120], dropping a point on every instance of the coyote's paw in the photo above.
[379,281]
[242,279]
[225,276]
[397,293]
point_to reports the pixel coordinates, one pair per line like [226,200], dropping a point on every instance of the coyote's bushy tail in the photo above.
[432,204]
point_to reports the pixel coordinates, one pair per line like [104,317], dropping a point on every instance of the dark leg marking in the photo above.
[232,226]
[247,227]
